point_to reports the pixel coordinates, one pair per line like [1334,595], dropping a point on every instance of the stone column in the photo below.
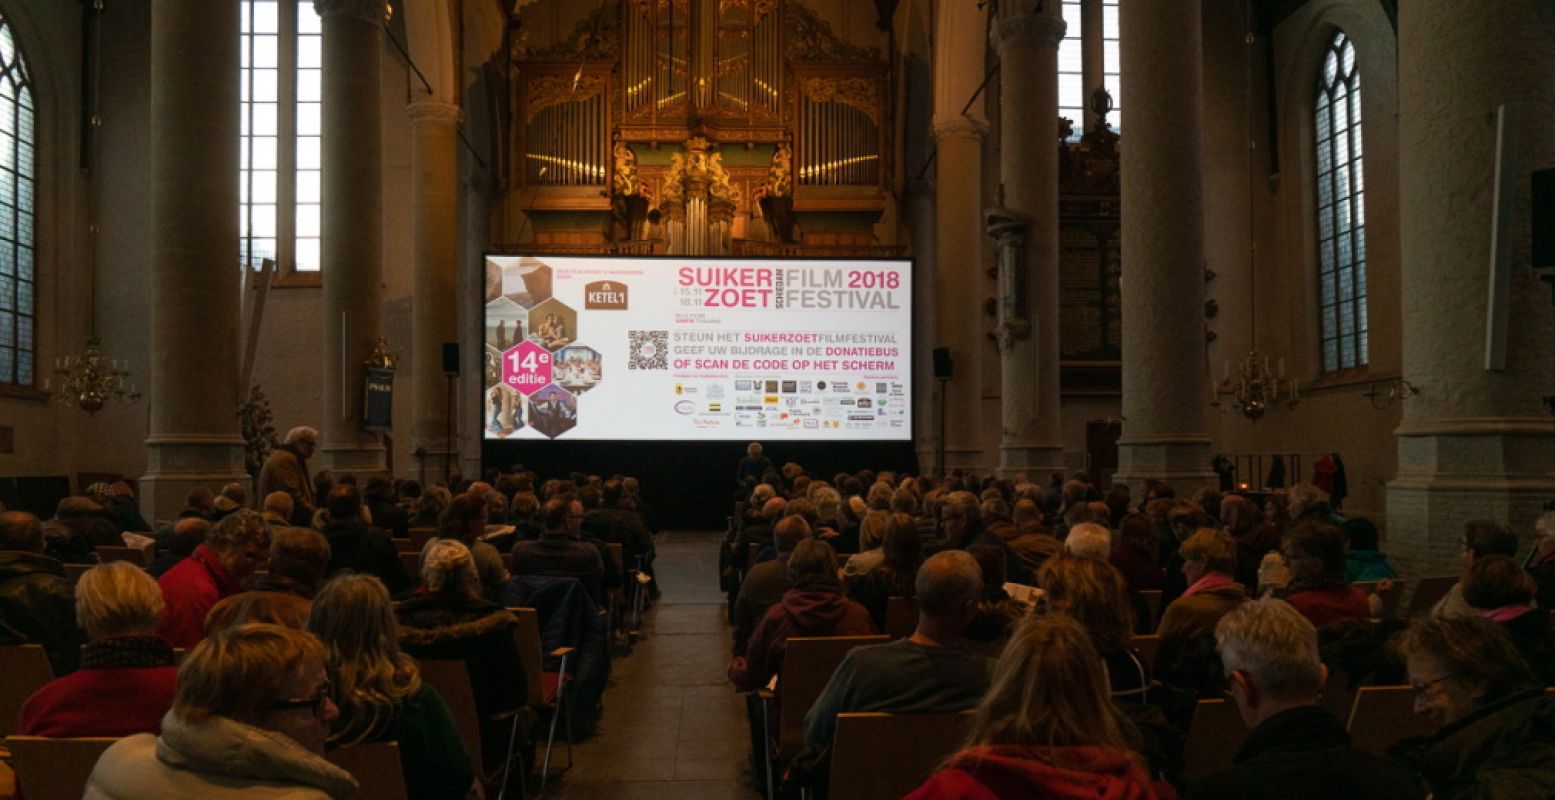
[1165,387]
[352,225]
[194,436]
[1026,36]
[434,186]
[1093,55]
[1476,443]
[475,237]
[958,226]
[918,199]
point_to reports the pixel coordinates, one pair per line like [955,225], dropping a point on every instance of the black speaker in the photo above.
[1543,218]
[450,358]
[943,369]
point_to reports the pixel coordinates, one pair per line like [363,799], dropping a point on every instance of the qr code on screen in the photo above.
[649,350]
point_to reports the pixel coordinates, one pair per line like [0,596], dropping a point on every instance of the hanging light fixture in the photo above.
[1255,388]
[90,380]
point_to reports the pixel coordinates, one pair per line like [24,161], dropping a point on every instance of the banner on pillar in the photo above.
[378,400]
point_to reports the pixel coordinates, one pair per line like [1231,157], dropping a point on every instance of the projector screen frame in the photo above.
[477,386]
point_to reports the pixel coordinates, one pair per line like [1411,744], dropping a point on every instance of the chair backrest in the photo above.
[405,546]
[808,664]
[139,556]
[376,767]
[1337,695]
[420,536]
[25,668]
[1381,715]
[1390,600]
[901,616]
[1214,736]
[1153,601]
[526,635]
[451,679]
[412,563]
[885,756]
[1428,592]
[73,572]
[54,769]
[1147,647]
[617,555]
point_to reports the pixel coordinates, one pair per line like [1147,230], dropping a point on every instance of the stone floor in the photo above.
[673,726]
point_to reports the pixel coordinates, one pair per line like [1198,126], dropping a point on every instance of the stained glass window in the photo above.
[18,282]
[1341,208]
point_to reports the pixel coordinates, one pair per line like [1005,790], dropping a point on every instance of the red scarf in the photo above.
[1505,613]
[1213,580]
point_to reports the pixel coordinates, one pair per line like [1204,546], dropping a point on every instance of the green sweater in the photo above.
[431,752]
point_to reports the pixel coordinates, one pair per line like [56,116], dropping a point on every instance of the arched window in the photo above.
[1341,208]
[279,169]
[17,279]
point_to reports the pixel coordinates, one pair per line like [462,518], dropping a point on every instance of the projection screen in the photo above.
[697,349]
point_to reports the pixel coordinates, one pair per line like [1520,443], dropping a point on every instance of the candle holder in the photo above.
[88,381]
[1255,389]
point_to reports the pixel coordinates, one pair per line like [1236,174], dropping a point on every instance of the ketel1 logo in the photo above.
[607,295]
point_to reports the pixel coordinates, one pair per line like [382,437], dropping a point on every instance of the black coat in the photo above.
[1505,750]
[354,545]
[38,606]
[1305,754]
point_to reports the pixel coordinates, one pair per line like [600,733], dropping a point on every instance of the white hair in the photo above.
[448,566]
[300,432]
[1274,645]
[1089,540]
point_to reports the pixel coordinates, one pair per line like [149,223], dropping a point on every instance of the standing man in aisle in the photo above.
[752,467]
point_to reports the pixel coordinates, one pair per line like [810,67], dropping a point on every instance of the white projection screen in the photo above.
[697,349]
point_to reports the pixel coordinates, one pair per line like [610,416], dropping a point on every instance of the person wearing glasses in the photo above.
[250,720]
[233,550]
[1481,538]
[1493,718]
[1295,748]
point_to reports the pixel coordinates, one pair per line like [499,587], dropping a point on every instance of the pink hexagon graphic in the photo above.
[526,368]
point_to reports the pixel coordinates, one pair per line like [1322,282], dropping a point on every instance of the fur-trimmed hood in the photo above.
[430,621]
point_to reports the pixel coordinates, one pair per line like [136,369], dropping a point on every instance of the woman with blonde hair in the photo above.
[1095,594]
[1046,727]
[380,691]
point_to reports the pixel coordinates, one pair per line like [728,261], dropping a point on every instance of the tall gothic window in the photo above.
[279,168]
[1341,208]
[17,279]
[1072,78]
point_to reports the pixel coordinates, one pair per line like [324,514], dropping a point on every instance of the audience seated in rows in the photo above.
[1093,592]
[78,528]
[1185,655]
[37,604]
[1045,727]
[897,573]
[464,521]
[814,605]
[1314,551]
[1134,553]
[182,539]
[1500,591]
[1362,560]
[275,608]
[299,558]
[871,537]
[357,545]
[250,719]
[1493,720]
[561,553]
[126,679]
[766,582]
[384,507]
[217,569]
[1029,540]
[380,691]
[1089,540]
[1296,749]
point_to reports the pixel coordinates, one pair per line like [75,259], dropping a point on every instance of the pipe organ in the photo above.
[702,127]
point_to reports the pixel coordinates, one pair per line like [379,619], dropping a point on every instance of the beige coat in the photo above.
[283,472]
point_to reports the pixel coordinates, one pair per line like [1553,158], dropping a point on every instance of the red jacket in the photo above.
[123,688]
[1327,606]
[190,589]
[996,772]
[813,609]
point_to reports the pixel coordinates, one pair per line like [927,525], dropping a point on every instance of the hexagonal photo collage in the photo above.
[536,368]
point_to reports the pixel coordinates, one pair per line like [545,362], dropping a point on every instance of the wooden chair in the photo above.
[412,564]
[420,536]
[1153,600]
[808,665]
[547,690]
[1428,592]
[886,756]
[376,767]
[73,572]
[405,546]
[901,616]
[1214,736]
[139,556]
[1337,695]
[25,668]
[54,769]
[451,679]
[1382,715]
[1390,600]
[1146,647]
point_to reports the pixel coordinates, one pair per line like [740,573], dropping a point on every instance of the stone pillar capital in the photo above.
[1025,30]
[960,128]
[374,11]
[429,110]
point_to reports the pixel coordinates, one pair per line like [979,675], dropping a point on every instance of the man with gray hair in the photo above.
[1296,750]
[1089,540]
[286,470]
[217,569]
[929,672]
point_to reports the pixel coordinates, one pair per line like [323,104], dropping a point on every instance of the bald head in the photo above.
[773,507]
[947,581]
[789,532]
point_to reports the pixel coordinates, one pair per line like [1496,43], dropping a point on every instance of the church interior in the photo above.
[1235,244]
